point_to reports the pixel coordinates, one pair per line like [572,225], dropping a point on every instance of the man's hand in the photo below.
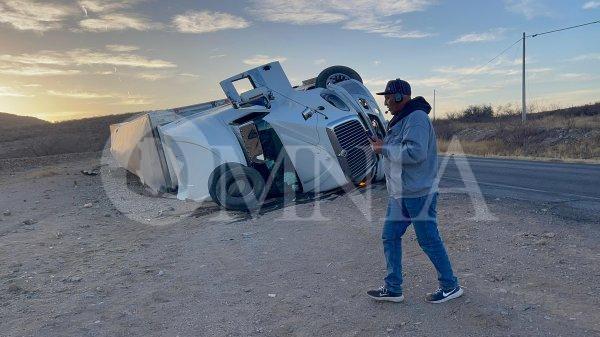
[377,145]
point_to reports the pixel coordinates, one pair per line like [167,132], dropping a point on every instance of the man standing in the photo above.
[410,161]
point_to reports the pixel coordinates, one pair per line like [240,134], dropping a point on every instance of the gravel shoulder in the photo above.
[80,259]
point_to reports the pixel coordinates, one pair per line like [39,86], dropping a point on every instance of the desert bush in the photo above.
[477,113]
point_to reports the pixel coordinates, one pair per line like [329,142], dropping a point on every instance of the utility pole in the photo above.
[524,111]
[434,104]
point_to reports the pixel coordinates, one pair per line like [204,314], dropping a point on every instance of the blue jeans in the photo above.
[421,212]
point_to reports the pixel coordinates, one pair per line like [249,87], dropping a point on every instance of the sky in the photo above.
[74,59]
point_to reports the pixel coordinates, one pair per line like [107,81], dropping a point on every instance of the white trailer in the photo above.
[268,137]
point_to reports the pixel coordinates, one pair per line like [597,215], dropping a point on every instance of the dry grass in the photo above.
[572,133]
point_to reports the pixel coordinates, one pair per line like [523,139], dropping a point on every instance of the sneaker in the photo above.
[440,296]
[383,294]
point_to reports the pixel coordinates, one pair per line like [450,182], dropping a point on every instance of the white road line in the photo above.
[524,188]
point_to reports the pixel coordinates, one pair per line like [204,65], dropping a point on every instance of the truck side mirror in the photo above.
[307,113]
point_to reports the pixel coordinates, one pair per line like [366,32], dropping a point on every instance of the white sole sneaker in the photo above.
[396,299]
[453,296]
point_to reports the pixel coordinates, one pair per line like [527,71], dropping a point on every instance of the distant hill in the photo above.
[15,121]
[31,137]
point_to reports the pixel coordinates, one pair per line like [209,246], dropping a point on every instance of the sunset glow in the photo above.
[73,59]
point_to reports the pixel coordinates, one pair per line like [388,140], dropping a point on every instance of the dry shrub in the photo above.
[562,133]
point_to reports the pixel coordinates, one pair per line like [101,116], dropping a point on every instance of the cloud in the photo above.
[36,71]
[44,57]
[188,75]
[491,35]
[10,92]
[106,15]
[81,57]
[375,82]
[296,12]
[34,16]
[528,8]
[218,56]
[134,100]
[206,22]
[118,21]
[320,62]
[434,82]
[119,99]
[258,60]
[386,28]
[461,70]
[99,15]
[587,57]
[591,5]
[88,57]
[79,94]
[576,76]
[99,6]
[152,76]
[370,16]
[121,48]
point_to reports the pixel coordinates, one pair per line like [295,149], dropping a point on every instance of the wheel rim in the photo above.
[239,188]
[337,77]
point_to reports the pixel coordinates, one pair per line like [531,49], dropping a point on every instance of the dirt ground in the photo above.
[80,258]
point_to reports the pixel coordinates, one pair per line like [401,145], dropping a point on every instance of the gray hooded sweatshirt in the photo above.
[410,152]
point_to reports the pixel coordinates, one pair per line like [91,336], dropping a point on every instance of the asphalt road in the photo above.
[573,185]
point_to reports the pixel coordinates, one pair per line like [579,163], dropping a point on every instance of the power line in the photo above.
[485,64]
[566,28]
[510,47]
[490,61]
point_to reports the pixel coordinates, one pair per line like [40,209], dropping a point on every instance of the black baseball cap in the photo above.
[396,86]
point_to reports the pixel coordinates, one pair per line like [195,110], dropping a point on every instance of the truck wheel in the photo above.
[335,74]
[236,187]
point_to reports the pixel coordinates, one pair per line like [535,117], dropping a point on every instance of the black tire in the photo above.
[336,74]
[236,187]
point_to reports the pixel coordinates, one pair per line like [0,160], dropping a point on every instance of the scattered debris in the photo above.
[549,235]
[161,273]
[272,295]
[29,222]
[6,213]
[92,172]
[163,211]
[88,205]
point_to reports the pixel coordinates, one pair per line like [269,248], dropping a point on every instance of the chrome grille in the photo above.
[353,149]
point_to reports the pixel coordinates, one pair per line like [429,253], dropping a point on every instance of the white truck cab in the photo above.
[268,137]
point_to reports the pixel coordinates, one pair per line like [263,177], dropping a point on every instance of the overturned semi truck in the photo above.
[267,137]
